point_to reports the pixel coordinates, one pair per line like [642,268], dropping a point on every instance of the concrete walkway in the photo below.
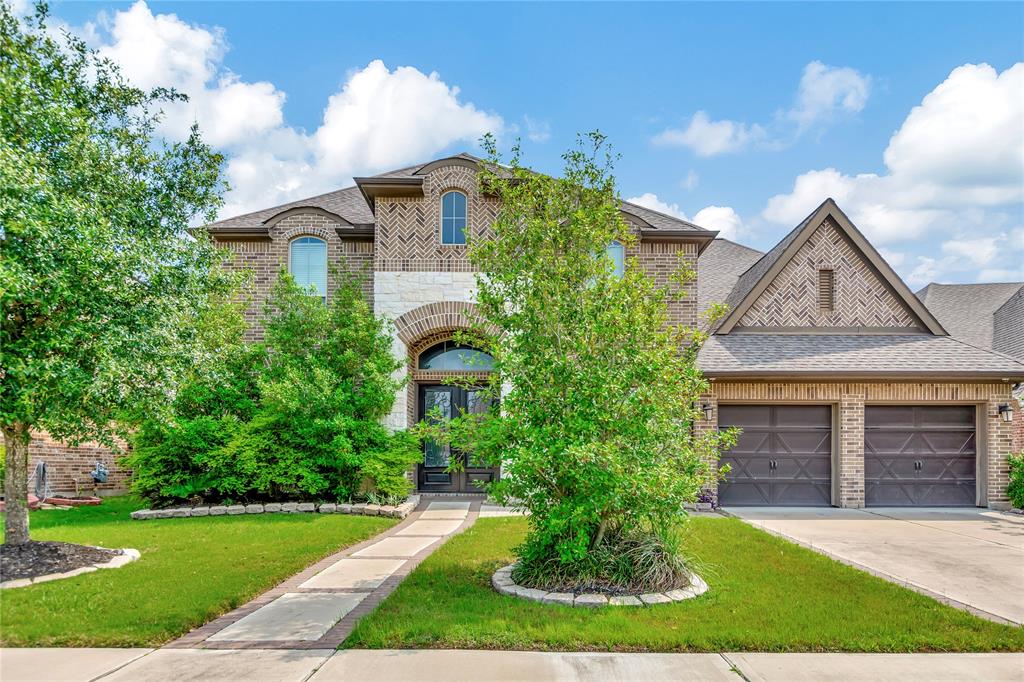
[318,608]
[323,665]
[969,558]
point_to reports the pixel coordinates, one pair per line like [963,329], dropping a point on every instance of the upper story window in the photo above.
[307,261]
[617,252]
[826,290]
[448,355]
[453,218]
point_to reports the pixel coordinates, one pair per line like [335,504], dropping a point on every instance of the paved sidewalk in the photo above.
[318,608]
[321,665]
[968,558]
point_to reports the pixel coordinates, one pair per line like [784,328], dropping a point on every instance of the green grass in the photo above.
[765,594]
[191,571]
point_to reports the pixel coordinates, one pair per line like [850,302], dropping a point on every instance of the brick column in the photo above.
[851,451]
[703,426]
[999,445]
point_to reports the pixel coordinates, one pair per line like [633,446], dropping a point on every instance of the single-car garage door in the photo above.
[783,456]
[919,455]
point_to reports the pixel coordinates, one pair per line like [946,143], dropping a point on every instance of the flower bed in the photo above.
[503,583]
[398,512]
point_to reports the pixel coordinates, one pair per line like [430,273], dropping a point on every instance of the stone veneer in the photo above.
[994,436]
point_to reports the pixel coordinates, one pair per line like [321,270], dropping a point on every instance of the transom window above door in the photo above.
[307,262]
[453,218]
[450,356]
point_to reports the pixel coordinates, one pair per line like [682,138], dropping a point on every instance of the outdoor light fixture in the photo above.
[707,409]
[1006,412]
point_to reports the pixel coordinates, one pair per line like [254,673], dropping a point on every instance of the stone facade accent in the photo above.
[862,299]
[65,463]
[398,512]
[265,259]
[995,437]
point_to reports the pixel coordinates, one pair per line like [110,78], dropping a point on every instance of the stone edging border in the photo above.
[503,583]
[126,556]
[397,512]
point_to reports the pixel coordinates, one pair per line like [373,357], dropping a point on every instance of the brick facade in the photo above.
[994,436]
[660,260]
[861,297]
[65,463]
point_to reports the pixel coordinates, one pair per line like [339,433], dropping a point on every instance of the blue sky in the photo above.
[742,117]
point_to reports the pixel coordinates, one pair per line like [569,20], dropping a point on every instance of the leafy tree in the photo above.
[100,284]
[594,429]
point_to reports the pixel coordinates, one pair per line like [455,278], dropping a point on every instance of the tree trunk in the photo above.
[16,440]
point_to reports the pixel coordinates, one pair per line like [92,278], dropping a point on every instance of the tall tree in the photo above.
[100,282]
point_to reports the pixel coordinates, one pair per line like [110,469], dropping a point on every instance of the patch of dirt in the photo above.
[34,559]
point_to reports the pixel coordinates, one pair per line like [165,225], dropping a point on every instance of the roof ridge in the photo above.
[736,243]
[664,215]
[1000,354]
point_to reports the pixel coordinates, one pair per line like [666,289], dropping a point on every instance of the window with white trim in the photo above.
[307,262]
[617,252]
[453,218]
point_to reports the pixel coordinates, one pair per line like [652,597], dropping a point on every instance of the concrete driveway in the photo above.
[970,558]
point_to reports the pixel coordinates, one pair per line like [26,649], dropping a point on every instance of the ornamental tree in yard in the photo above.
[594,429]
[100,284]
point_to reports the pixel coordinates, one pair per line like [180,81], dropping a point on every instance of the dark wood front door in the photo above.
[435,473]
[919,455]
[783,456]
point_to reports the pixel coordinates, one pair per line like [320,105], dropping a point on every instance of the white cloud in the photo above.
[381,118]
[824,93]
[721,218]
[954,167]
[979,252]
[709,138]
[537,131]
[690,181]
[893,258]
[825,90]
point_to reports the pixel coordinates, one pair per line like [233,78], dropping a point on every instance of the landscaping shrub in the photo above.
[598,392]
[1015,489]
[295,417]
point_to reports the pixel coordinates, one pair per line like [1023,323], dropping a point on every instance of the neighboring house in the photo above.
[850,392]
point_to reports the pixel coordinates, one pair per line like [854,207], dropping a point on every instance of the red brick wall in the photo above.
[65,463]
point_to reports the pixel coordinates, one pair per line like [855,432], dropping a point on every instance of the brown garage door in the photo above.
[783,457]
[919,455]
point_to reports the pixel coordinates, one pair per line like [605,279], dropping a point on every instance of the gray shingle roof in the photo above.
[839,355]
[718,267]
[967,310]
[350,204]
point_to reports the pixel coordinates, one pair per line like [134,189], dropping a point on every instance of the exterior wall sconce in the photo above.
[708,410]
[1006,412]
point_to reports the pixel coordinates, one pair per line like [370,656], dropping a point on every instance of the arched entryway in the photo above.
[434,363]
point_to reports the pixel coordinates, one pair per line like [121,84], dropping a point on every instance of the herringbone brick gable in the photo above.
[862,298]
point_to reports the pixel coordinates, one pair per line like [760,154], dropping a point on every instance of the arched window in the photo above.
[307,261]
[617,253]
[449,355]
[453,218]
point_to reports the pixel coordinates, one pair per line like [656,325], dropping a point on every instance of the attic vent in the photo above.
[826,290]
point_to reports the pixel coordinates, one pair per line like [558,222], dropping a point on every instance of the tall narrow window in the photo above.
[307,262]
[826,290]
[617,252]
[453,218]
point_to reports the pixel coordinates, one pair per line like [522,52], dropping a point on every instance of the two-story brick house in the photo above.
[848,390]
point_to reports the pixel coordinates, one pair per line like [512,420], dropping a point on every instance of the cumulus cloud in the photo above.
[824,93]
[537,131]
[381,118]
[721,218]
[690,181]
[954,174]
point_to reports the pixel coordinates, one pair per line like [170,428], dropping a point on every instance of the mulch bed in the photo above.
[34,559]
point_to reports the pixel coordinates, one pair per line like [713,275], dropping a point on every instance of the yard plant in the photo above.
[100,284]
[598,390]
[1015,489]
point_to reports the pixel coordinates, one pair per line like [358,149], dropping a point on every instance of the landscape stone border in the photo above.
[126,556]
[503,583]
[396,512]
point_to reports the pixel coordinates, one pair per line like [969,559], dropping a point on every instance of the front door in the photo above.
[434,474]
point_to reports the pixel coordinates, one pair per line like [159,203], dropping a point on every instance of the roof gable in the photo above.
[780,289]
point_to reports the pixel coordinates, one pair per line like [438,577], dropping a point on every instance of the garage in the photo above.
[920,455]
[783,456]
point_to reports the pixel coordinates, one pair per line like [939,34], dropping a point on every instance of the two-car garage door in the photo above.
[914,455]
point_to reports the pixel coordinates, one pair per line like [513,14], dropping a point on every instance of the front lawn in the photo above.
[191,571]
[766,595]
